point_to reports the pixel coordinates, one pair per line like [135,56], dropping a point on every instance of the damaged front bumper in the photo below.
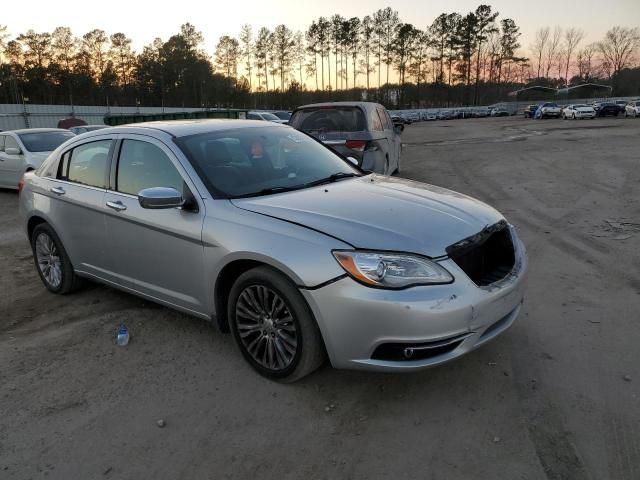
[419,327]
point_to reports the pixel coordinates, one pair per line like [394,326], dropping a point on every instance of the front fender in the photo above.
[302,254]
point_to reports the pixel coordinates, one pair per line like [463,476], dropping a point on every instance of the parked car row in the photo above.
[411,116]
[583,110]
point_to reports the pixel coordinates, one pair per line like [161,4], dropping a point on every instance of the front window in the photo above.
[44,141]
[143,165]
[259,161]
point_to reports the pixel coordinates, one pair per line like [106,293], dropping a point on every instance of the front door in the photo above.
[158,253]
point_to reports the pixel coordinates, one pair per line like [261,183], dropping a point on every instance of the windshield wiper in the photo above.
[332,178]
[267,191]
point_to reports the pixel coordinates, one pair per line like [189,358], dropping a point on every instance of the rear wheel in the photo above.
[52,262]
[273,326]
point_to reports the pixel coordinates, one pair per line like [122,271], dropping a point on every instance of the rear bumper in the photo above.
[356,321]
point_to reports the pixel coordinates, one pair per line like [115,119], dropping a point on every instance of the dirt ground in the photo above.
[555,397]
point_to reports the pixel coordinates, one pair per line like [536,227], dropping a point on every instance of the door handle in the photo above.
[57,190]
[117,206]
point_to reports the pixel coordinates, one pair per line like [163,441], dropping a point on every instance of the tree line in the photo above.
[460,59]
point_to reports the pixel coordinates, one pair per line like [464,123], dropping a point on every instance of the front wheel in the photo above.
[52,262]
[273,326]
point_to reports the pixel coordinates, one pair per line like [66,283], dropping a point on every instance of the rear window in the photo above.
[44,141]
[333,119]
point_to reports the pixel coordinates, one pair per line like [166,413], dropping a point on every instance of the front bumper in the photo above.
[355,320]
[585,114]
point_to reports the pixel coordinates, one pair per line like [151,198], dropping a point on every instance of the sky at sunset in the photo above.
[143,20]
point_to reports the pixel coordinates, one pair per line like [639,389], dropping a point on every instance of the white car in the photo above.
[549,110]
[25,150]
[632,109]
[578,111]
[266,116]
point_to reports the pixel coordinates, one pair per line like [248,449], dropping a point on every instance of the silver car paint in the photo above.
[384,213]
[174,256]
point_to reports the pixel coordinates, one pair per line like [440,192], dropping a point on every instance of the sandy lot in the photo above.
[555,397]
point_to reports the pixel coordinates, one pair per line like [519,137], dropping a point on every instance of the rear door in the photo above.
[76,206]
[158,253]
[11,166]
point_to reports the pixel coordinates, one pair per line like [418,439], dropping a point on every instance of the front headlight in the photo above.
[391,270]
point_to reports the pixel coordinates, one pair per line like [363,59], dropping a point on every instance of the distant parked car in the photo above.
[605,109]
[283,115]
[397,119]
[24,150]
[548,110]
[530,111]
[578,111]
[632,109]
[361,130]
[86,128]
[499,112]
[266,116]
[430,116]
[444,115]
[413,116]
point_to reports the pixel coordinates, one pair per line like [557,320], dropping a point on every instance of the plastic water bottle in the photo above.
[123,336]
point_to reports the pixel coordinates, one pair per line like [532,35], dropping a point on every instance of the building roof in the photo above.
[591,86]
[533,88]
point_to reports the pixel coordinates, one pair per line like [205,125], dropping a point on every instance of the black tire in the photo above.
[309,349]
[69,281]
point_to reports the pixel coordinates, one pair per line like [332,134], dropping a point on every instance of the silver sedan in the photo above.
[273,236]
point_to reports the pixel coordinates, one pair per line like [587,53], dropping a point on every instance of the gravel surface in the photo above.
[555,397]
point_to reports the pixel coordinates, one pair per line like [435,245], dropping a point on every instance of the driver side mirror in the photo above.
[398,128]
[160,197]
[12,151]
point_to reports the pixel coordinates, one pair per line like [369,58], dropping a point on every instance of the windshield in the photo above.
[269,116]
[44,141]
[553,105]
[258,161]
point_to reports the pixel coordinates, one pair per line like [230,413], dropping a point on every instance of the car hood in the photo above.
[381,213]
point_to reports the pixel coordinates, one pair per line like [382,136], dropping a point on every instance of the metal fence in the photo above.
[15,116]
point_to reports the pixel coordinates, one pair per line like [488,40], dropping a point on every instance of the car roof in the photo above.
[363,105]
[183,128]
[36,130]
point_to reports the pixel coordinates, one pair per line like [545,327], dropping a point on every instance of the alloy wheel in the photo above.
[48,259]
[266,327]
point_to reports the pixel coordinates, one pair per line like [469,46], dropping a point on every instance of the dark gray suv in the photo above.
[360,130]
